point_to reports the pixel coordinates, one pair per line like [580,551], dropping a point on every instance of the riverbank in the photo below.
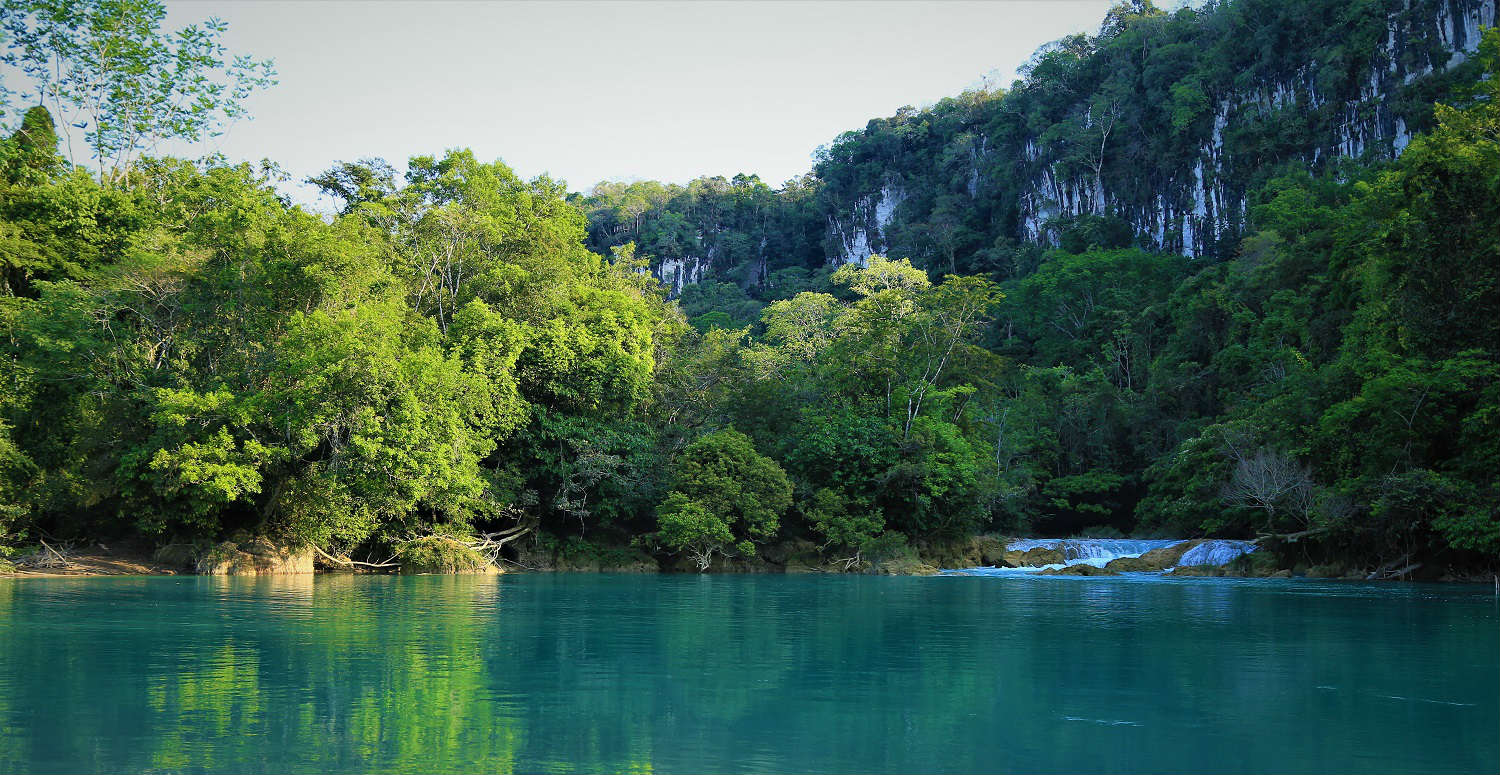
[96,560]
[546,556]
[986,555]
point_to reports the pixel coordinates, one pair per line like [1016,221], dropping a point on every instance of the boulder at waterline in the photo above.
[177,556]
[1167,557]
[1081,569]
[1033,558]
[991,549]
[258,556]
[1133,565]
[964,553]
[903,566]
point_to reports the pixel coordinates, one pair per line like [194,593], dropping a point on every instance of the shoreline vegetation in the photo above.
[259,557]
[462,369]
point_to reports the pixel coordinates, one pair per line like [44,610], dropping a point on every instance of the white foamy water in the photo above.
[1216,552]
[1099,552]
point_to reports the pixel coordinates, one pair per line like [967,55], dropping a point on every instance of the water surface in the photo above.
[683,673]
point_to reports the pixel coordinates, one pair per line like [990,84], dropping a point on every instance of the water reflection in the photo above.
[692,673]
[1209,602]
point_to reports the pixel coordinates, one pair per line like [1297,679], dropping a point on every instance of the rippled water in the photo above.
[746,673]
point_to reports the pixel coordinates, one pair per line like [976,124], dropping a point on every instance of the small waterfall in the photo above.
[1093,551]
[1099,552]
[1216,552]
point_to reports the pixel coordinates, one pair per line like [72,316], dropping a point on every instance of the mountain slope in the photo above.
[1150,133]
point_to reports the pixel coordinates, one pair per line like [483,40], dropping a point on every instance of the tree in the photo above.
[367,181]
[850,523]
[724,498]
[908,334]
[1270,481]
[689,527]
[1426,229]
[800,328]
[1122,15]
[15,469]
[106,67]
[30,155]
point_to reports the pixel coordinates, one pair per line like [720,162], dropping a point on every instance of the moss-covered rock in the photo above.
[577,554]
[990,549]
[440,554]
[177,556]
[639,562]
[534,557]
[1132,565]
[1032,558]
[1079,570]
[969,552]
[904,566]
[254,556]
[6,566]
[796,555]
[1168,556]
[1043,556]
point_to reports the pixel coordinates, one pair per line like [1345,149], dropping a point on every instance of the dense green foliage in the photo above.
[460,351]
[725,497]
[1156,131]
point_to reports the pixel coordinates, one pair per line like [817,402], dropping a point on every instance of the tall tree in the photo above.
[106,67]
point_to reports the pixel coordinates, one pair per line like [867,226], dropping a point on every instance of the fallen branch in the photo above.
[1292,538]
[490,544]
[48,558]
[352,563]
[1387,571]
[1404,572]
[848,562]
[508,535]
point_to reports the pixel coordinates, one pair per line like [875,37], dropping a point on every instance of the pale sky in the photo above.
[588,91]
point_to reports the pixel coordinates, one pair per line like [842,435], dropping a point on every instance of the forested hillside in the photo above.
[1152,133]
[1176,281]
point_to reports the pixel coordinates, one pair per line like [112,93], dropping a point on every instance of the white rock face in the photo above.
[678,272]
[864,234]
[1197,206]
[1191,215]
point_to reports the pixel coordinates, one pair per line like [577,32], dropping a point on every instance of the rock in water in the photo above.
[1133,565]
[1035,558]
[991,550]
[1081,569]
[255,557]
[1161,559]
[904,567]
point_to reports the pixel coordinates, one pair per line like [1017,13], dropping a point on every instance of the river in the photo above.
[746,673]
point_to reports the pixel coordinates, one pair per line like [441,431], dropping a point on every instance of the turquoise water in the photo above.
[686,673]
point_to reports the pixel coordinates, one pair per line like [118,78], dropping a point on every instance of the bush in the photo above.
[725,497]
[439,554]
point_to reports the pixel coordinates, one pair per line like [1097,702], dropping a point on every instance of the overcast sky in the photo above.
[588,91]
